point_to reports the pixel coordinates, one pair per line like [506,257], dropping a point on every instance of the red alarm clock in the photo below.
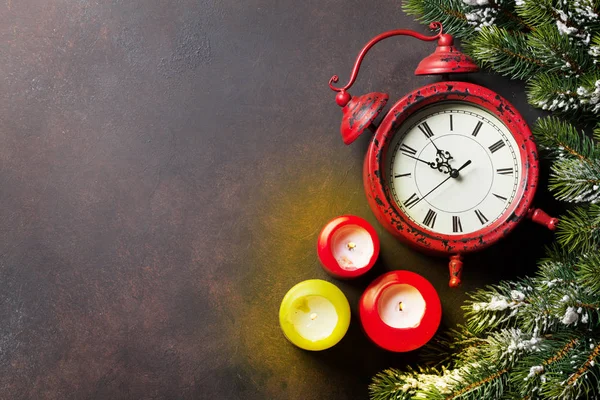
[453,167]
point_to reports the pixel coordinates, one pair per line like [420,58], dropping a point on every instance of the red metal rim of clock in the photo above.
[377,190]
[400,339]
[329,262]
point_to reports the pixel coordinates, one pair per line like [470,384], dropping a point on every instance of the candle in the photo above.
[348,247]
[400,311]
[314,315]
[401,306]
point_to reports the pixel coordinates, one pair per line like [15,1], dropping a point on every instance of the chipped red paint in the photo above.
[539,216]
[387,212]
[455,266]
[363,52]
[446,60]
[359,113]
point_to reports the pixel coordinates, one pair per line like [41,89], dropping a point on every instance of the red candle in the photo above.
[348,247]
[400,311]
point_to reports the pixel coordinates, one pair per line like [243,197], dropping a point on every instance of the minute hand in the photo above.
[453,174]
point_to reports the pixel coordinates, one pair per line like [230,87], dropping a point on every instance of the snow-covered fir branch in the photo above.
[579,229]
[594,49]
[480,17]
[576,180]
[565,94]
[590,96]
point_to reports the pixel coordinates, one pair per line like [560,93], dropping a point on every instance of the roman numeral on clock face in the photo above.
[407,149]
[497,146]
[424,127]
[411,201]
[456,225]
[504,171]
[499,197]
[430,218]
[451,124]
[481,217]
[477,128]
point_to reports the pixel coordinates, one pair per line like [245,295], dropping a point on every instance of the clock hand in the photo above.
[441,159]
[444,155]
[453,174]
[442,166]
[433,143]
[431,164]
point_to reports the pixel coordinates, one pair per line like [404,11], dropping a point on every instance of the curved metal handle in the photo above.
[376,39]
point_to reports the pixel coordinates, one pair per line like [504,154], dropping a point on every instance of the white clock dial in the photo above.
[429,148]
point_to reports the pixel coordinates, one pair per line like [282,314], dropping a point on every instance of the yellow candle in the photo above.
[314,315]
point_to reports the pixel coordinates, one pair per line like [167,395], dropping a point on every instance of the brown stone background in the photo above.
[165,168]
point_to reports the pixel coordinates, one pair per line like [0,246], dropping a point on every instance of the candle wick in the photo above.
[351,246]
[400,306]
[313,316]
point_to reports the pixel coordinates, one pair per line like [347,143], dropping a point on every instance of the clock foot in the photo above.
[539,216]
[455,267]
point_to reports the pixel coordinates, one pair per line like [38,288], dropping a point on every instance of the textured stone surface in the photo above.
[165,168]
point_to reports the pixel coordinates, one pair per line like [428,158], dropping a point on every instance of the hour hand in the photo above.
[441,156]
[431,164]
[442,166]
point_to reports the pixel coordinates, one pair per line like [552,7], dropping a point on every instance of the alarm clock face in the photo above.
[453,168]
